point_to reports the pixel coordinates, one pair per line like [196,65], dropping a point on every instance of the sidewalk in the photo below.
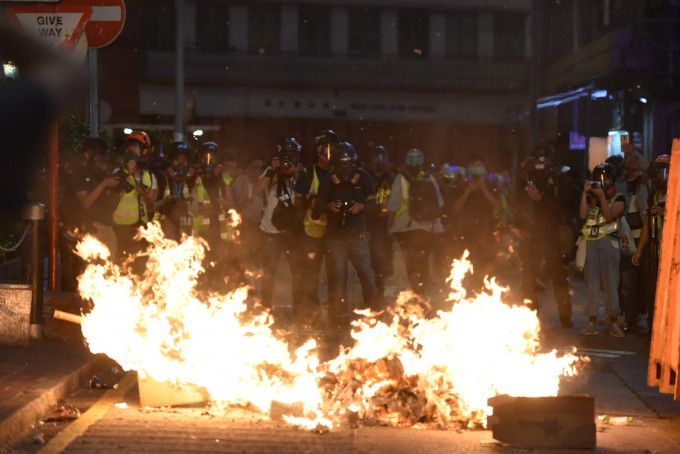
[34,377]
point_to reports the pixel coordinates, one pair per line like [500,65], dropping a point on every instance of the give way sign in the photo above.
[64,23]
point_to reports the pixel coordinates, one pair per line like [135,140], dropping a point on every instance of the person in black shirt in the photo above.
[87,208]
[347,197]
[542,242]
[381,242]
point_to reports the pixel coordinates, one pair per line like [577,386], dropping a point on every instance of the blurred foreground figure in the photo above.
[49,81]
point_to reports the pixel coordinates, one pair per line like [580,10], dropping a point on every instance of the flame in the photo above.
[403,369]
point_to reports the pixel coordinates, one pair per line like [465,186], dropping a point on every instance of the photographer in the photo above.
[601,207]
[312,247]
[280,221]
[136,198]
[476,224]
[652,231]
[346,197]
[541,249]
[211,200]
[173,208]
[87,208]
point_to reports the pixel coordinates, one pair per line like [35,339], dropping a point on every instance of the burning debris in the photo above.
[404,368]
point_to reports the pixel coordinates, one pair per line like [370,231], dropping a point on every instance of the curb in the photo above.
[23,419]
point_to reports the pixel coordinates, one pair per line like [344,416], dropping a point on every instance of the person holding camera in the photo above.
[280,221]
[136,199]
[651,231]
[633,279]
[312,247]
[542,251]
[347,197]
[381,241]
[601,207]
[211,200]
[475,222]
[173,209]
[87,208]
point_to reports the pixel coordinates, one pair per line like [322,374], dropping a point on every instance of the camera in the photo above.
[344,207]
[286,162]
[594,184]
[123,184]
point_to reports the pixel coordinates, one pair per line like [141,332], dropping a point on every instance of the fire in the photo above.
[403,369]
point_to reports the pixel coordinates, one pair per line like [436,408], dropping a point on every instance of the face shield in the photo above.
[323,151]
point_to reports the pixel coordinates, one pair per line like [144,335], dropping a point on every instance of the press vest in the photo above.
[128,210]
[316,228]
[596,226]
[200,222]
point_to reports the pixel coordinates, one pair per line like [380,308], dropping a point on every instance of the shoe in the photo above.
[589,330]
[616,331]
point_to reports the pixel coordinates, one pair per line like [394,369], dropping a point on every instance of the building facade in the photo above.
[611,71]
[449,77]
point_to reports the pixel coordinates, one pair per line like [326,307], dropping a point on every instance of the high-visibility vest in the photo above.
[596,226]
[316,228]
[186,195]
[201,223]
[128,210]
[405,185]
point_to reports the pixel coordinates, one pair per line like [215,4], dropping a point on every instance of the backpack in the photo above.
[423,202]
[284,217]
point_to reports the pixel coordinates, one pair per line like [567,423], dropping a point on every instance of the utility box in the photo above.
[15,313]
[565,422]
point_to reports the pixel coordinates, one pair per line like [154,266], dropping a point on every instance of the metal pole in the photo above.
[535,81]
[94,93]
[179,71]
[33,265]
[52,207]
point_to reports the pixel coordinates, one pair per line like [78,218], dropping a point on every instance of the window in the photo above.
[212,25]
[461,35]
[508,36]
[264,29]
[364,32]
[158,17]
[413,33]
[313,31]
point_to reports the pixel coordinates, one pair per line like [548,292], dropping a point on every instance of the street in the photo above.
[112,420]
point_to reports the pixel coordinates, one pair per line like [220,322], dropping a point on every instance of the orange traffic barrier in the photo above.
[664,352]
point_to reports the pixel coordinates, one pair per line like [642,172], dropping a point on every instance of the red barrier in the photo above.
[664,352]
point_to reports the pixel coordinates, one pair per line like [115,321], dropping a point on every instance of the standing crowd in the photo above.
[339,211]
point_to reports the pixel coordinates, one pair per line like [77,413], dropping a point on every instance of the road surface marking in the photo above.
[96,412]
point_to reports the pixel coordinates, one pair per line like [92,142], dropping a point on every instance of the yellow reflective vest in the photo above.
[596,226]
[128,210]
[316,228]
[200,222]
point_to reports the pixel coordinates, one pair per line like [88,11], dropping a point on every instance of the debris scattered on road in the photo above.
[63,413]
[97,383]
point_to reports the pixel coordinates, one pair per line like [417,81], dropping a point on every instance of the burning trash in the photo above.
[404,369]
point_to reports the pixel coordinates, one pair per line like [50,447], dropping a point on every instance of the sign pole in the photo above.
[52,206]
[179,71]
[94,94]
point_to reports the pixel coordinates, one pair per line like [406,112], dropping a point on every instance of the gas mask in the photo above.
[414,161]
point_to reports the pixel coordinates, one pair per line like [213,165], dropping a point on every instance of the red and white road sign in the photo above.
[106,22]
[102,20]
